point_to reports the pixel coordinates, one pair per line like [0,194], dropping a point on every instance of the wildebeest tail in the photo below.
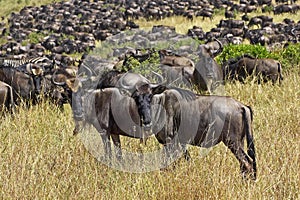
[280,72]
[248,116]
[9,104]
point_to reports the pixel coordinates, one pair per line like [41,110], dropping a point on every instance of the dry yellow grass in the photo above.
[182,24]
[41,159]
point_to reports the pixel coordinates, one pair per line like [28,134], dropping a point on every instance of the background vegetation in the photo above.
[9,6]
[41,159]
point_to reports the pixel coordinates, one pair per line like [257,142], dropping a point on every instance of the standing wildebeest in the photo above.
[240,68]
[208,74]
[176,67]
[24,85]
[121,110]
[205,121]
[6,97]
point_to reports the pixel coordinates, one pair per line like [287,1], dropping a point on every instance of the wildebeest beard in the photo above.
[143,97]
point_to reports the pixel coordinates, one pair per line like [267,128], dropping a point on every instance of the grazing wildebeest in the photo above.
[205,121]
[240,68]
[6,97]
[208,74]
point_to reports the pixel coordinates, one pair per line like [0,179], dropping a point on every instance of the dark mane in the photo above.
[109,79]
[185,94]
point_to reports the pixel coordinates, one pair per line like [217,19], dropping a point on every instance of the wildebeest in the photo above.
[25,86]
[71,85]
[205,121]
[242,67]
[121,110]
[208,74]
[6,97]
[176,67]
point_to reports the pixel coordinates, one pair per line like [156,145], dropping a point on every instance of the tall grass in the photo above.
[40,158]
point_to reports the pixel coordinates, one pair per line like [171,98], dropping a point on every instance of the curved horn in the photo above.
[220,43]
[220,49]
[127,87]
[160,78]
[293,32]
[90,73]
[55,82]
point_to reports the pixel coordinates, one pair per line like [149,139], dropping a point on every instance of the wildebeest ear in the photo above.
[124,92]
[73,84]
[34,69]
[158,89]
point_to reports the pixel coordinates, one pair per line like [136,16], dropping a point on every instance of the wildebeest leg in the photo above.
[107,146]
[186,153]
[209,84]
[173,150]
[117,142]
[78,127]
[168,148]
[246,165]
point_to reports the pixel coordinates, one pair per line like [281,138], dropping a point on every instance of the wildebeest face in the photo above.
[143,97]
[37,83]
[143,102]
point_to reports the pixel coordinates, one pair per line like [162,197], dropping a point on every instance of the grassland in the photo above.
[182,24]
[9,6]
[41,159]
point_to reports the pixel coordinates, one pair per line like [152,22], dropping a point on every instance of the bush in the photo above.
[145,67]
[233,51]
[35,37]
[289,56]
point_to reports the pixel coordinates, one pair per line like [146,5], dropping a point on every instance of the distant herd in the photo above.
[35,64]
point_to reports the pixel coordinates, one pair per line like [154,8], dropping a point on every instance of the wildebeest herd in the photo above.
[119,102]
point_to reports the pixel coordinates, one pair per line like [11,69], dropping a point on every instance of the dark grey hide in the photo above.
[25,86]
[241,68]
[121,110]
[207,74]
[6,97]
[205,121]
[177,69]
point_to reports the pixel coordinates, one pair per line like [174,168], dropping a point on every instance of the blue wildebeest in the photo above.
[6,97]
[208,74]
[246,65]
[121,110]
[205,121]
[176,68]
[25,86]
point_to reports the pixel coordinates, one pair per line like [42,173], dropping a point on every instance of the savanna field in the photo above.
[41,159]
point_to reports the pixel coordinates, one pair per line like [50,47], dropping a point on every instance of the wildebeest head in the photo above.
[207,74]
[72,85]
[142,95]
[37,72]
[213,48]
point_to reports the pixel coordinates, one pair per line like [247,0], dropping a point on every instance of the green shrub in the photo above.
[233,51]
[35,37]
[145,67]
[289,56]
